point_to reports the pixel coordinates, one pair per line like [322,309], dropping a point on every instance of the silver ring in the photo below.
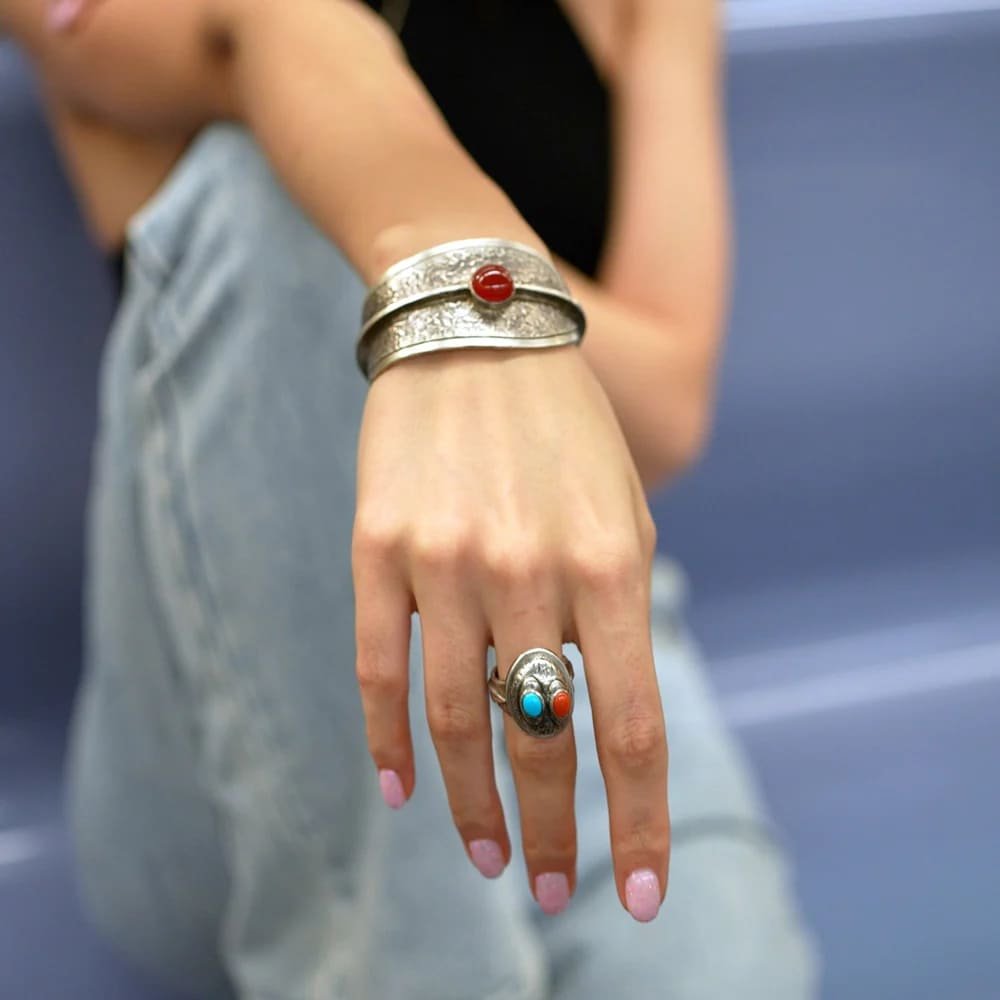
[537,692]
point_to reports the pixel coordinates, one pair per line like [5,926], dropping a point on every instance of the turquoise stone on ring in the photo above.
[532,704]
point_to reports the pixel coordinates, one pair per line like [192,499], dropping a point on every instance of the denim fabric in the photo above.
[228,825]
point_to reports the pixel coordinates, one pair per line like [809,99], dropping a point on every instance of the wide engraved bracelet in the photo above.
[467,293]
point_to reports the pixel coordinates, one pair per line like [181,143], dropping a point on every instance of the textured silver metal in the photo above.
[459,292]
[544,672]
[452,264]
[502,343]
[461,323]
[425,303]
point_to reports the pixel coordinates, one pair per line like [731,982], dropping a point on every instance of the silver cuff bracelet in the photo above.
[468,293]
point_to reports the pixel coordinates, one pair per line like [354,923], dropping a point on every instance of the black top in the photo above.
[522,96]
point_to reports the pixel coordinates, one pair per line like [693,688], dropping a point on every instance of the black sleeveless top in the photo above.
[521,94]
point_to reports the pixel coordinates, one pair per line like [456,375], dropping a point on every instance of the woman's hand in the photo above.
[497,497]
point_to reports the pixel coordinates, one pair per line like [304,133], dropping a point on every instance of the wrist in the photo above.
[486,292]
[404,239]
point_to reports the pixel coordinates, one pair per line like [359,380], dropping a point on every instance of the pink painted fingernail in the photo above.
[392,789]
[552,892]
[642,894]
[487,857]
[62,13]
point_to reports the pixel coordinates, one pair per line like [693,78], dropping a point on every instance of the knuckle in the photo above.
[513,564]
[453,724]
[374,539]
[558,848]
[608,565]
[376,681]
[646,840]
[536,760]
[648,533]
[442,548]
[637,745]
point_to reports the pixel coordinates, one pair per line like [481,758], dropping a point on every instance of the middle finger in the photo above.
[544,769]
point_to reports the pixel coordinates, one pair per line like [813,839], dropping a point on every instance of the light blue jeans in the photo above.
[228,823]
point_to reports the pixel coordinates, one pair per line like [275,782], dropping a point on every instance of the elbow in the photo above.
[679,434]
[682,407]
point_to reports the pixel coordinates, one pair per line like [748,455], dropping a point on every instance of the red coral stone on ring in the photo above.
[562,704]
[492,283]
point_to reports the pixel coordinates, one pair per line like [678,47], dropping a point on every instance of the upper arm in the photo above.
[140,65]
[667,247]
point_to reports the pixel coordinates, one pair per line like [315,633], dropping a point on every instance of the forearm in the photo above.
[371,160]
[653,372]
[322,84]
[356,139]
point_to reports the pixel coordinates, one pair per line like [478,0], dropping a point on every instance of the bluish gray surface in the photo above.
[54,308]
[843,534]
[859,422]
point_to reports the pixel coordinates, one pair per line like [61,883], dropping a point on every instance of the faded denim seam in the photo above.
[185,559]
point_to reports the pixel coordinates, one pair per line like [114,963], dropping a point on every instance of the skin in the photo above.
[527,524]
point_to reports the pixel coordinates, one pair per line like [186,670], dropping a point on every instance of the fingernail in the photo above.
[552,892]
[392,789]
[62,13]
[487,857]
[642,894]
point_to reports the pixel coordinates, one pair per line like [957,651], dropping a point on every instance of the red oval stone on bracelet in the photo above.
[492,283]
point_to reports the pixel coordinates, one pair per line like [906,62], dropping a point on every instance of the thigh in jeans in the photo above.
[242,411]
